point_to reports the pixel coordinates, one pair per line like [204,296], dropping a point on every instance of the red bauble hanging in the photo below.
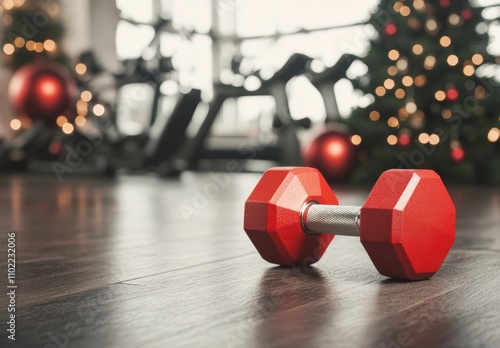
[457,154]
[452,94]
[42,91]
[391,29]
[333,154]
[467,14]
[404,139]
[444,3]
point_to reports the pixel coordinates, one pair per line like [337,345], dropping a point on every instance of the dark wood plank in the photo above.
[105,263]
[204,306]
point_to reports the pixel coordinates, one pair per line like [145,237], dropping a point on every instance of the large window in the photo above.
[265,30]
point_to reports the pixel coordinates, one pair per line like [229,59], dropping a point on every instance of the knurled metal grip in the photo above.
[330,219]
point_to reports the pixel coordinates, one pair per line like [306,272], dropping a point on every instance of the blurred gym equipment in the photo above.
[287,150]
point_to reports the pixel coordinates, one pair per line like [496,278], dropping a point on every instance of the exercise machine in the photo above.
[287,149]
[143,140]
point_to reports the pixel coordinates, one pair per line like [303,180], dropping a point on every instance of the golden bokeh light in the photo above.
[19,42]
[452,60]
[30,45]
[400,93]
[8,49]
[380,91]
[86,96]
[374,115]
[393,55]
[440,95]
[402,64]
[407,81]
[445,41]
[429,62]
[80,121]
[392,71]
[392,140]
[49,45]
[81,106]
[39,47]
[469,70]
[397,6]
[8,4]
[423,138]
[81,68]
[446,113]
[98,109]
[411,107]
[61,120]
[15,124]
[393,122]
[418,49]
[477,59]
[434,139]
[68,128]
[419,5]
[389,84]
[420,80]
[405,11]
[454,19]
[356,139]
[493,135]
[431,25]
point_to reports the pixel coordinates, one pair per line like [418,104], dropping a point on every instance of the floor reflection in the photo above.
[418,320]
[16,193]
[295,305]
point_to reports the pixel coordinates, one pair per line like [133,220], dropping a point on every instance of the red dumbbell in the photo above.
[407,224]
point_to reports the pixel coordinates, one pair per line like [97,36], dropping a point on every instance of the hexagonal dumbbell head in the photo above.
[407,224]
[272,215]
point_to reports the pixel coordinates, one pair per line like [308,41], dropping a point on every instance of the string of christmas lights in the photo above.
[427,82]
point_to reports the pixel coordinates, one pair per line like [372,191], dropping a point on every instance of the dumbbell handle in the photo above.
[330,219]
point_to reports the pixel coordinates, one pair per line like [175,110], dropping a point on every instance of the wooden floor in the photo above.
[145,262]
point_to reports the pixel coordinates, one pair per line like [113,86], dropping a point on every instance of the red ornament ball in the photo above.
[42,91]
[404,139]
[452,94]
[467,14]
[333,154]
[444,3]
[457,154]
[391,29]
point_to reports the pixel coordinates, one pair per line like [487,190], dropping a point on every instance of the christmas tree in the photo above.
[435,103]
[31,29]
[43,95]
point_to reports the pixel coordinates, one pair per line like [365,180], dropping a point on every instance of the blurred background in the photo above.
[163,86]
